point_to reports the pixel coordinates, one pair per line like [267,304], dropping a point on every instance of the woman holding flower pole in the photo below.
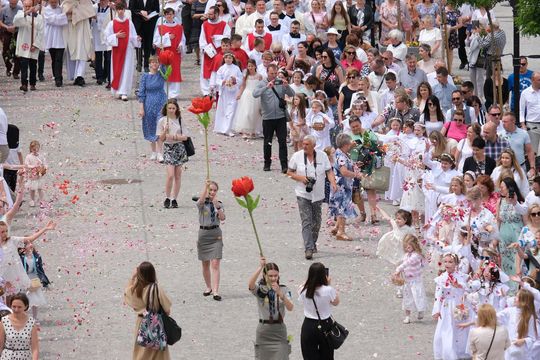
[271,341]
[171,132]
[210,242]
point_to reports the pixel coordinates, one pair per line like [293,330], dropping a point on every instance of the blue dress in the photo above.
[341,201]
[152,95]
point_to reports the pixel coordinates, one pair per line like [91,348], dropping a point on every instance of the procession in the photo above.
[364,176]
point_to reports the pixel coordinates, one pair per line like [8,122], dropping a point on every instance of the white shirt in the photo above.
[432,79]
[323,296]
[3,127]
[290,43]
[530,200]
[256,55]
[55,21]
[529,105]
[323,165]
[430,37]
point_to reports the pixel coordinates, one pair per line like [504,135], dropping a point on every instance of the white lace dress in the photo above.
[11,267]
[36,297]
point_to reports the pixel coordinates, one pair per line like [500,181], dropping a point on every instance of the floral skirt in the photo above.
[341,204]
[174,154]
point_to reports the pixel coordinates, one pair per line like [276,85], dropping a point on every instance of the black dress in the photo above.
[196,8]
[488,92]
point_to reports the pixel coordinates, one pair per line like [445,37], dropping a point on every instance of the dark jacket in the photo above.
[138,21]
[471,164]
[38,268]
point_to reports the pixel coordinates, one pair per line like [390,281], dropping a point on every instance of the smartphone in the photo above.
[327,271]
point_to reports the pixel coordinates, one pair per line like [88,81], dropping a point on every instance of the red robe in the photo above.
[241,57]
[178,31]
[119,52]
[267,40]
[210,30]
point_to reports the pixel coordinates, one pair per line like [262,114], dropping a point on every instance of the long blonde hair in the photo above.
[515,163]
[525,302]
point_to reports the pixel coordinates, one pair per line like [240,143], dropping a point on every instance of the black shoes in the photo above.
[309,254]
[266,168]
[217,297]
[170,204]
[79,81]
[8,73]
[174,204]
[58,83]
[108,86]
[99,82]
[41,78]
[463,65]
[167,203]
[32,87]
[284,170]
[24,88]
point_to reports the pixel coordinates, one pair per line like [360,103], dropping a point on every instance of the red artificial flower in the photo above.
[201,105]
[242,186]
[166,57]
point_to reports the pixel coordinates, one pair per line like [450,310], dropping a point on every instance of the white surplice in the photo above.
[227,102]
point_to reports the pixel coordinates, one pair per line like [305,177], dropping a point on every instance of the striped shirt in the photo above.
[498,45]
[412,266]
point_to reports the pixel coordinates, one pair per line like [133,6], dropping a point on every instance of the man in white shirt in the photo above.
[377,74]
[292,15]
[457,103]
[259,13]
[494,115]
[291,40]
[55,23]
[387,95]
[243,25]
[309,168]
[529,110]
[432,76]
[275,28]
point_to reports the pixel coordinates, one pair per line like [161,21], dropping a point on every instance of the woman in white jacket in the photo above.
[477,73]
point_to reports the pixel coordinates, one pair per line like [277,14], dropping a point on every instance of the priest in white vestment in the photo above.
[55,23]
[78,36]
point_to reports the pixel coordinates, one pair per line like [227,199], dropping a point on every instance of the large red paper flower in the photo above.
[201,105]
[242,186]
[166,57]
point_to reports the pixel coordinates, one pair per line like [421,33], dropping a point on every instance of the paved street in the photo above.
[112,219]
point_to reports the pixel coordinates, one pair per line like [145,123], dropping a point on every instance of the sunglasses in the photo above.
[523,64]
[535,214]
[485,257]
[385,58]
[456,99]
[495,114]
[431,104]
[351,77]
[461,120]
[351,53]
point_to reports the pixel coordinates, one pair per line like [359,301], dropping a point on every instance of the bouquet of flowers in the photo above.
[370,153]
[393,149]
[450,213]
[461,312]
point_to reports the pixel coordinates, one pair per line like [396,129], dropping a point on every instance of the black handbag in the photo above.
[171,328]
[188,144]
[282,102]
[336,334]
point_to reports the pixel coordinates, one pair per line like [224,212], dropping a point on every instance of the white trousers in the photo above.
[75,68]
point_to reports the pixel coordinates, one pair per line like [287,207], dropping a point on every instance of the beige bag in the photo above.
[35,284]
[379,180]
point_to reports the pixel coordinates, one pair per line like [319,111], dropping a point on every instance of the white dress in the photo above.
[465,151]
[322,136]
[441,181]
[248,112]
[522,182]
[413,197]
[390,246]
[226,107]
[392,139]
[395,192]
[510,317]
[11,267]
[450,341]
[486,293]
[36,297]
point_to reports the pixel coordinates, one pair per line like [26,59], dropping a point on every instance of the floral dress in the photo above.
[511,224]
[452,17]
[424,10]
[341,200]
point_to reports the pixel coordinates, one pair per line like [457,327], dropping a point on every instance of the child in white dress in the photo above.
[228,79]
[390,246]
[414,294]
[319,124]
[35,293]
[450,310]
[297,125]
[247,119]
[37,169]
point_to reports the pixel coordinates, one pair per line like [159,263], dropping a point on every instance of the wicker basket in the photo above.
[398,279]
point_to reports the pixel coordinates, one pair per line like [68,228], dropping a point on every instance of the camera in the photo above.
[278,81]
[310,182]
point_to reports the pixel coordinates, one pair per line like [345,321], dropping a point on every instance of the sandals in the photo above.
[334,231]
[343,237]
[363,216]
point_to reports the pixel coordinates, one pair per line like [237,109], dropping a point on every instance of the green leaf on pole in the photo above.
[241,202]
[256,202]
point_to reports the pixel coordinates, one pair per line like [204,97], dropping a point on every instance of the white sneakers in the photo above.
[153,156]
[407,320]
[395,203]
[160,157]
[399,294]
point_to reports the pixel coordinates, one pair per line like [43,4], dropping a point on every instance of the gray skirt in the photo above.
[210,244]
[271,342]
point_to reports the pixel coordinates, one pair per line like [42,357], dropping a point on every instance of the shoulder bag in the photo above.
[336,334]
[282,102]
[188,144]
[378,180]
[172,330]
[151,333]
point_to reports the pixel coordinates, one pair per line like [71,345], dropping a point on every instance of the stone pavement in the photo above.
[112,219]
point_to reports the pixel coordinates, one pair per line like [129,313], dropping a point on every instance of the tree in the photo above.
[527,19]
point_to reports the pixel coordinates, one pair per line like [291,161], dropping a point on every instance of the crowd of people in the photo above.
[364,92]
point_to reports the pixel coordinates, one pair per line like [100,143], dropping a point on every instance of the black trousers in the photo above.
[313,342]
[462,52]
[279,127]
[27,64]
[187,20]
[147,36]
[41,63]
[103,66]
[11,178]
[11,61]
[57,62]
